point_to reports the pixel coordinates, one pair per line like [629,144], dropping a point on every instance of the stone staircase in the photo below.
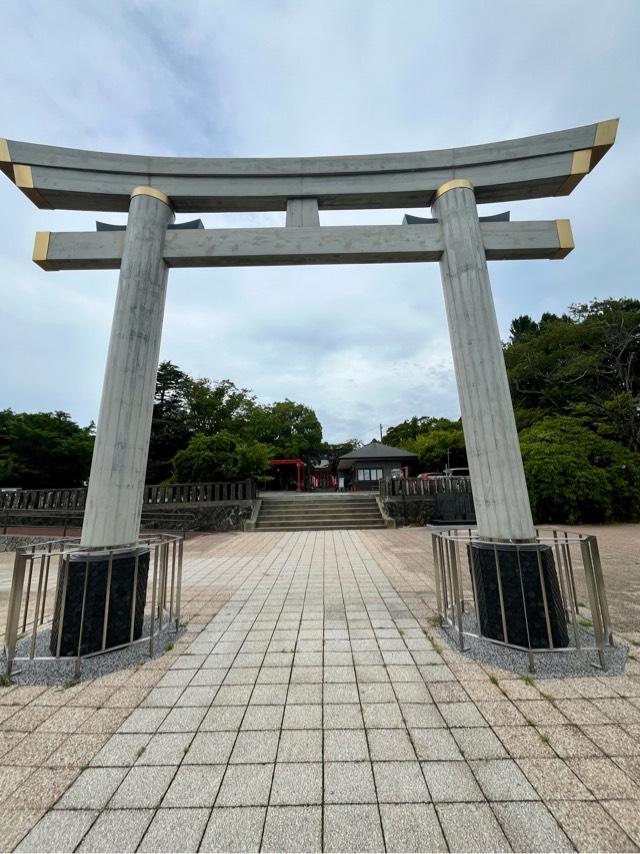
[319,512]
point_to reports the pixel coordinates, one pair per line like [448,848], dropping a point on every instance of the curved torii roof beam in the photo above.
[532,167]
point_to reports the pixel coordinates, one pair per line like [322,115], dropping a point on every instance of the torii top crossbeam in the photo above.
[549,164]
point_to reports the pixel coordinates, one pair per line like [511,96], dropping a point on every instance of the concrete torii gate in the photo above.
[452,181]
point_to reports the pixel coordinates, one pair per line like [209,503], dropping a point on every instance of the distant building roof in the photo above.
[378,451]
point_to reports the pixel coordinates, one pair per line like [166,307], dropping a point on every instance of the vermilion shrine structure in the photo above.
[453,182]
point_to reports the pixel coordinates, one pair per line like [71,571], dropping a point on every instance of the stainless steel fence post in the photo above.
[179,587]
[107,598]
[13,615]
[532,667]
[153,602]
[78,664]
[596,617]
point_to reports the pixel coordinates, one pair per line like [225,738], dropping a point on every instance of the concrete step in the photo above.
[315,520]
[283,526]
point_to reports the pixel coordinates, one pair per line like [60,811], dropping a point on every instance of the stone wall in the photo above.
[218,516]
[214,516]
[11,542]
[430,509]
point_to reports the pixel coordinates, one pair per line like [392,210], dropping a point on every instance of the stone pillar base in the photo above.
[121,601]
[486,560]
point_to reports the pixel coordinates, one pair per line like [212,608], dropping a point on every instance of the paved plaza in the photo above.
[309,706]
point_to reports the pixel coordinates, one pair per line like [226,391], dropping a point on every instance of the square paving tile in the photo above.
[531,827]
[293,828]
[345,745]
[451,781]
[175,830]
[382,716]
[502,780]
[297,783]
[471,827]
[143,787]
[167,748]
[348,783]
[400,782]
[210,748]
[58,830]
[391,744]
[194,786]
[352,827]
[222,718]
[301,745]
[255,746]
[122,750]
[263,717]
[93,789]
[434,744]
[117,830]
[245,785]
[553,779]
[302,716]
[411,827]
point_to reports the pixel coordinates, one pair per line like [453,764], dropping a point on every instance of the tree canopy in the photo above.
[43,450]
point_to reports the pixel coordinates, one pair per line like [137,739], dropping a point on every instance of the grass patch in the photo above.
[494,680]
[169,646]
[544,739]
[528,678]
[586,624]
[530,722]
[71,683]
[5,681]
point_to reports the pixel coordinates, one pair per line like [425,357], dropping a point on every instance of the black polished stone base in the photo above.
[515,563]
[121,594]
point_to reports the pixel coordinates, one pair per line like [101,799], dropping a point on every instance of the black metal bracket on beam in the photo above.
[174,226]
[410,219]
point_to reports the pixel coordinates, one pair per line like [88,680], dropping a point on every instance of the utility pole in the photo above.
[381,432]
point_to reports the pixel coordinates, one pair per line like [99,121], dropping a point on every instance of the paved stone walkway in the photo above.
[308,709]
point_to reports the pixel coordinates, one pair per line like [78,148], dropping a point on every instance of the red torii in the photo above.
[299,467]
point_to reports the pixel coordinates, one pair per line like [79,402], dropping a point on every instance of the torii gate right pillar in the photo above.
[493,450]
[517,591]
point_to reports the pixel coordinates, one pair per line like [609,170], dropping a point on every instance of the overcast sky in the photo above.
[362,345]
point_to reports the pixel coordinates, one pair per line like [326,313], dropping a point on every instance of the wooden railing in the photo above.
[416,486]
[200,493]
[176,493]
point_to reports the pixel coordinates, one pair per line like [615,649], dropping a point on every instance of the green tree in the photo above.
[442,441]
[586,363]
[43,450]
[574,475]
[224,456]
[170,431]
[407,431]
[291,429]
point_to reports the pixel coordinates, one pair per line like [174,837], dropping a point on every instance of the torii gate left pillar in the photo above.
[114,498]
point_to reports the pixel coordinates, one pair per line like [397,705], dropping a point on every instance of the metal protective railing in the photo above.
[579,577]
[34,597]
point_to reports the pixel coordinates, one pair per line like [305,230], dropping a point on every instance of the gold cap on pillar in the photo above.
[155,194]
[457,183]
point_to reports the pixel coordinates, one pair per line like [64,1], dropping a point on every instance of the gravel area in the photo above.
[42,670]
[548,665]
